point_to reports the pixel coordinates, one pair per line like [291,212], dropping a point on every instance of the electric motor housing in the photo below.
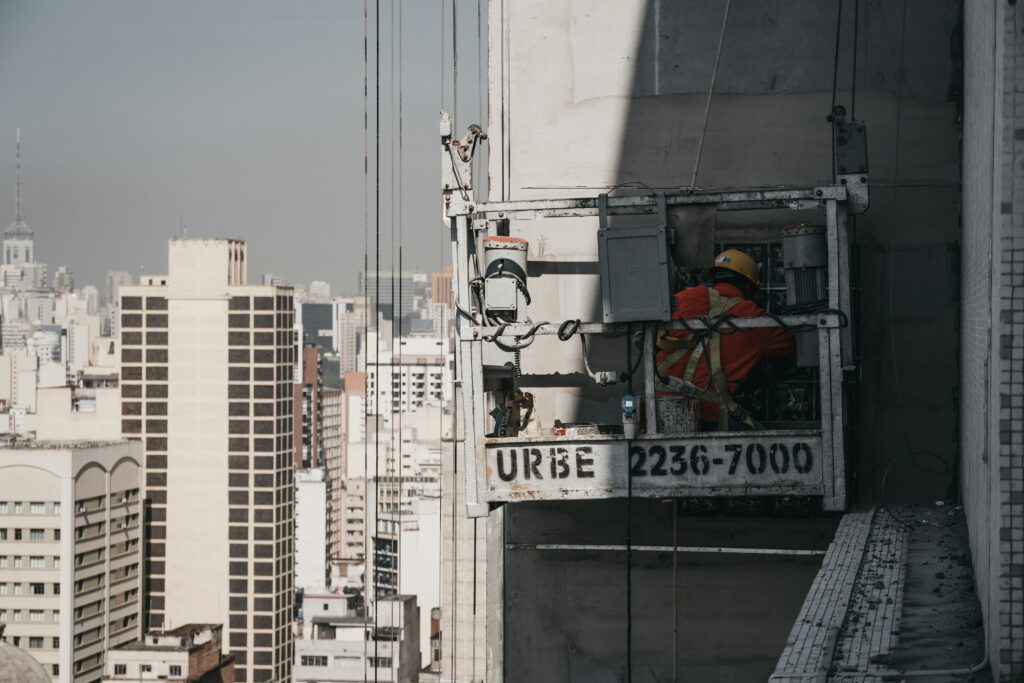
[505,293]
[805,262]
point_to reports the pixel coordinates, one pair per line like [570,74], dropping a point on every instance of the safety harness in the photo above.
[710,344]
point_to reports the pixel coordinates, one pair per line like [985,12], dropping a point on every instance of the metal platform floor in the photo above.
[894,601]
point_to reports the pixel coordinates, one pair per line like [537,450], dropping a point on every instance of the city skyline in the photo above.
[178,118]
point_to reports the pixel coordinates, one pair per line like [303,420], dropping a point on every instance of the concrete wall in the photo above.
[584,98]
[992,464]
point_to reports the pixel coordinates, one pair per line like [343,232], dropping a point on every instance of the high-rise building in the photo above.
[441,287]
[334,467]
[63,280]
[311,513]
[308,410]
[70,551]
[350,319]
[206,382]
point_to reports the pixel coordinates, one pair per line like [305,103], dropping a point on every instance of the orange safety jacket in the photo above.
[740,351]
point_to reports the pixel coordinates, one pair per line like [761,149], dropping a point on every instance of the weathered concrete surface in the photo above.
[992,371]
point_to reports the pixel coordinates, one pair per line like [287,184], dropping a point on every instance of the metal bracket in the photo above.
[457,160]
[851,159]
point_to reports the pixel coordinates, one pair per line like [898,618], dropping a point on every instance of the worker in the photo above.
[732,354]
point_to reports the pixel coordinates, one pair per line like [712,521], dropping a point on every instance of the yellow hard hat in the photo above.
[739,262]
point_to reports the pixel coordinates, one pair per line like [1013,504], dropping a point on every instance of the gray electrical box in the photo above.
[636,271]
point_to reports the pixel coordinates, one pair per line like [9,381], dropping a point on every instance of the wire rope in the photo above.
[711,94]
[376,341]
[365,310]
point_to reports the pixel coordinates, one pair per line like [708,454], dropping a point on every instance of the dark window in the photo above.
[131,426]
[131,338]
[156,602]
[263,391]
[238,569]
[158,532]
[263,550]
[264,587]
[264,516]
[263,356]
[264,303]
[238,303]
[238,497]
[238,604]
[156,408]
[131,355]
[157,497]
[237,374]
[238,586]
[238,533]
[238,462]
[238,338]
[131,372]
[261,621]
[263,533]
[238,408]
[236,515]
[263,426]
[158,338]
[238,426]
[236,320]
[237,620]
[263,339]
[264,445]
[263,498]
[156,391]
[156,479]
[262,656]
[156,550]
[156,320]
[238,355]
[238,479]
[238,444]
[263,410]
[238,391]
[156,303]
[263,374]
[131,408]
[131,390]
[263,639]
[238,550]
[131,303]
[156,373]
[156,426]
[156,514]
[263,321]
[156,355]
[264,481]
[157,443]
[263,462]
[238,640]
[158,462]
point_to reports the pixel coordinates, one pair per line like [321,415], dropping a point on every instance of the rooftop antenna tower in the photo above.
[17,182]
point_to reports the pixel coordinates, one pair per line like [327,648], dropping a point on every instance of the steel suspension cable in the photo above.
[366,311]
[376,323]
[711,95]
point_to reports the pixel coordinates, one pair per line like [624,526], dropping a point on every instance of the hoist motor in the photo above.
[505,294]
[805,261]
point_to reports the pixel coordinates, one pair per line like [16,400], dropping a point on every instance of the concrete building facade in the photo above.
[70,551]
[192,653]
[207,386]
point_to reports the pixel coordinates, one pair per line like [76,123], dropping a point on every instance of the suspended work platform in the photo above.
[503,466]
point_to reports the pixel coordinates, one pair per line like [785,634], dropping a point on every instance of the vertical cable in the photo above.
[366,313]
[376,323]
[455,114]
[675,590]
[853,78]
[629,516]
[835,82]
[711,95]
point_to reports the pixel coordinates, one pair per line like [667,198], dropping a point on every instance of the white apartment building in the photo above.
[338,645]
[70,551]
[413,374]
[311,570]
[333,435]
[206,383]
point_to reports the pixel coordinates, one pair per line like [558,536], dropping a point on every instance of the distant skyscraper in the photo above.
[318,289]
[441,287]
[206,382]
[63,280]
[19,269]
[115,280]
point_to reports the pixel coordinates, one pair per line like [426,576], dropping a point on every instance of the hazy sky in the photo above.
[240,118]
